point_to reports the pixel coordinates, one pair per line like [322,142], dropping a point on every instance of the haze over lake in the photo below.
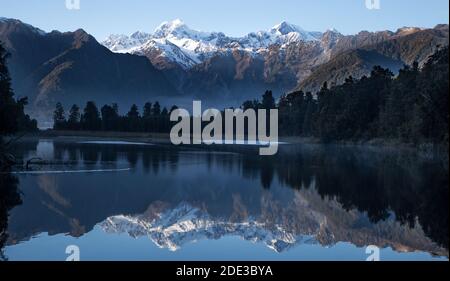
[134,201]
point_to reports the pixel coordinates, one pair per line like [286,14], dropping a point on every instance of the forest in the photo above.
[411,107]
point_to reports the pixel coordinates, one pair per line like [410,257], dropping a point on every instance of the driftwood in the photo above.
[8,160]
[30,162]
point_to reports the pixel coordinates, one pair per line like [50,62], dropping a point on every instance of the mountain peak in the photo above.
[284,28]
[407,30]
[332,30]
[170,27]
[173,24]
[293,32]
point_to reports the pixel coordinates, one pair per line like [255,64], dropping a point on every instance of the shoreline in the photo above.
[164,138]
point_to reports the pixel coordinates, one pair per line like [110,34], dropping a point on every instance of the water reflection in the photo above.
[306,194]
[9,198]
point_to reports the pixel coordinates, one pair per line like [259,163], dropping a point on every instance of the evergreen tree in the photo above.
[8,106]
[147,112]
[115,107]
[432,99]
[110,118]
[156,110]
[134,112]
[74,118]
[310,112]
[24,121]
[59,117]
[91,117]
[268,101]
[250,104]
[133,119]
[173,108]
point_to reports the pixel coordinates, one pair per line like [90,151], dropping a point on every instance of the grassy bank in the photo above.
[165,138]
[128,136]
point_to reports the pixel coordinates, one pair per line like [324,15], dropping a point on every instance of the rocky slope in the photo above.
[73,67]
[283,58]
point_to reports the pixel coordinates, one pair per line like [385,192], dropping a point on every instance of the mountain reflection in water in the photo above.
[306,194]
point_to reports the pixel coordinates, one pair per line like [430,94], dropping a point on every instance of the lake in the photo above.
[118,200]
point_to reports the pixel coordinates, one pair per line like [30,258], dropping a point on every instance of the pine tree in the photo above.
[156,110]
[91,117]
[268,101]
[147,113]
[133,119]
[109,118]
[74,118]
[8,106]
[59,117]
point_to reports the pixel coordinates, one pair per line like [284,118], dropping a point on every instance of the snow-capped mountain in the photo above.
[184,224]
[288,33]
[183,63]
[302,221]
[123,43]
[178,43]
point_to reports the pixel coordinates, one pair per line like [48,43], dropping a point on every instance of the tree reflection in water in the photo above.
[9,198]
[378,181]
[386,185]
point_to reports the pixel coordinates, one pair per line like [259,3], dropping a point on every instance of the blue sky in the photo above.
[234,17]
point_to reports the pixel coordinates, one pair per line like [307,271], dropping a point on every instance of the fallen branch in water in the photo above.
[30,162]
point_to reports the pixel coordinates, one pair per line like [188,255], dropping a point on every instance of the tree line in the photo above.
[410,107]
[153,118]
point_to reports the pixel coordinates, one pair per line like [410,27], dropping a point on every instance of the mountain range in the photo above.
[175,64]
[173,228]
[179,44]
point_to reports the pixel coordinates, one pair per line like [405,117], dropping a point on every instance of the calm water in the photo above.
[134,201]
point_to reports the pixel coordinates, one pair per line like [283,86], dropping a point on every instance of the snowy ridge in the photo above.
[178,43]
[122,43]
[167,49]
[184,224]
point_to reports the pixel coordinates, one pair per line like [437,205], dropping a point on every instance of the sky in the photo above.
[233,17]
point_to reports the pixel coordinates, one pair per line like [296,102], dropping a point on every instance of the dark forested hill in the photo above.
[404,47]
[412,107]
[72,67]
